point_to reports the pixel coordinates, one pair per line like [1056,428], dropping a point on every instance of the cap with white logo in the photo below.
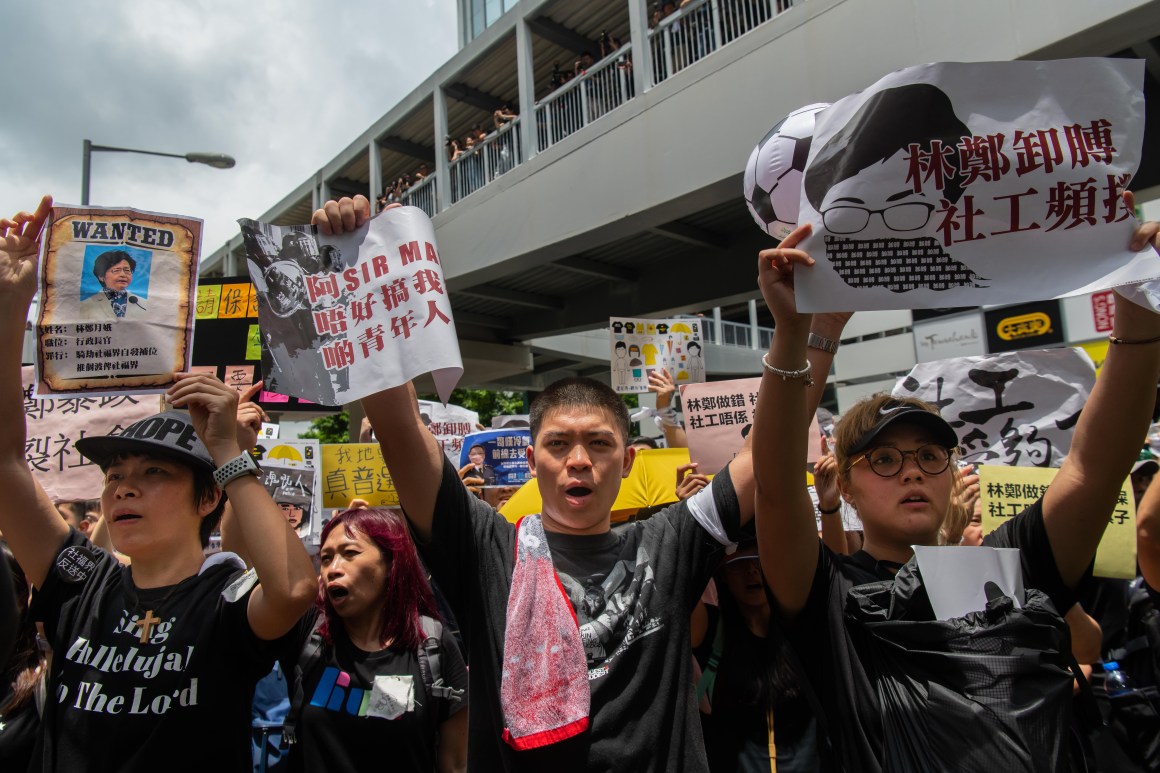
[170,432]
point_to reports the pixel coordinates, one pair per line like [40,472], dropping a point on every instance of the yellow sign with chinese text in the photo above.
[1006,491]
[356,471]
[208,297]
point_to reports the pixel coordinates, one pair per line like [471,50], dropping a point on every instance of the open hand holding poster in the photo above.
[345,316]
[935,188]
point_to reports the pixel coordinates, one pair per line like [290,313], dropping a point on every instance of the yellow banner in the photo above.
[356,471]
[1006,491]
[235,302]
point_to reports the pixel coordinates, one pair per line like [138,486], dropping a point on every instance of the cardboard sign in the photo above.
[350,315]
[718,417]
[54,426]
[640,346]
[1006,491]
[1018,408]
[505,457]
[118,291]
[356,471]
[293,488]
[932,188]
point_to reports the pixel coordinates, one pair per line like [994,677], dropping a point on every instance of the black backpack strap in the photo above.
[306,661]
[430,665]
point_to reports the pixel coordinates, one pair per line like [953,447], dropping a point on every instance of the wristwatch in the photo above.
[815,341]
[240,465]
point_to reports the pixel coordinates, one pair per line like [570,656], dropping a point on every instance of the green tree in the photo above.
[332,428]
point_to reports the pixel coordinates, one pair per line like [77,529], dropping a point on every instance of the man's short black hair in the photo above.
[107,260]
[579,392]
[204,488]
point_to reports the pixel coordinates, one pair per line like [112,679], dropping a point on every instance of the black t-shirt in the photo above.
[180,701]
[831,661]
[343,727]
[635,588]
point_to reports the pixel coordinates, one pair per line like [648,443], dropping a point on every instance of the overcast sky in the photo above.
[281,86]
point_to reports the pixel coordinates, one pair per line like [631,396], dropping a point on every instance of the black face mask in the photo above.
[898,264]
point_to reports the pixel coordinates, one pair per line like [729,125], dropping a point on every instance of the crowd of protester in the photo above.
[741,628]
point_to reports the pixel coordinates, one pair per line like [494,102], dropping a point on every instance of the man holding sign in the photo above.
[579,636]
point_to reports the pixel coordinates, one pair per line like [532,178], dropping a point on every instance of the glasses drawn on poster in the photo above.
[449,424]
[292,489]
[640,346]
[1016,408]
[117,289]
[54,426]
[932,189]
[346,316]
[304,454]
[718,418]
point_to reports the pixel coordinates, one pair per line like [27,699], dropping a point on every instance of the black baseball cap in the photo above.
[170,432]
[891,413]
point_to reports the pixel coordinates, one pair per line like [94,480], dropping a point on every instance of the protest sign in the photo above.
[293,489]
[356,471]
[296,453]
[1017,408]
[449,424]
[640,346]
[54,425]
[718,417]
[117,289]
[1006,491]
[930,188]
[349,315]
[502,458]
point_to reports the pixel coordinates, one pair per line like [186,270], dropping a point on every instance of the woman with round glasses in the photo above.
[894,457]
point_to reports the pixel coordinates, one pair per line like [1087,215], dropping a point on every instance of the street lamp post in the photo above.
[216,160]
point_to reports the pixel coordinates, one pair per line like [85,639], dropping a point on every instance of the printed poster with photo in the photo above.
[1015,408]
[933,189]
[639,346]
[345,316]
[118,291]
[500,456]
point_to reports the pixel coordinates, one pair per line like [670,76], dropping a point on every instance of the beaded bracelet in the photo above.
[803,373]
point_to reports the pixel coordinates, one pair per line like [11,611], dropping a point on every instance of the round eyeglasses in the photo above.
[887,460]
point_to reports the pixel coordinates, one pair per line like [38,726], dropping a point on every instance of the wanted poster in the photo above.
[117,289]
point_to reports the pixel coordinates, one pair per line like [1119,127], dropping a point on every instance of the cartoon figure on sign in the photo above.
[696,363]
[635,362]
[877,183]
[620,362]
[112,298]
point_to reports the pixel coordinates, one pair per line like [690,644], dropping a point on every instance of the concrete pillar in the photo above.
[442,172]
[753,333]
[641,52]
[525,68]
[376,171]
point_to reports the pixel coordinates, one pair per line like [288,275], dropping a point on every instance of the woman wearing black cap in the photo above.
[154,664]
[895,465]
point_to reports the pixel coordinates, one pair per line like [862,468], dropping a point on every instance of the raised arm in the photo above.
[1108,435]
[31,525]
[1148,535]
[410,452]
[830,502]
[661,382]
[787,535]
[288,583]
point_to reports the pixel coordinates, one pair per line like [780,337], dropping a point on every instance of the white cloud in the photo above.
[281,86]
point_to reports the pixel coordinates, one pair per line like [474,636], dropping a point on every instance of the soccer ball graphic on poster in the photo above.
[773,174]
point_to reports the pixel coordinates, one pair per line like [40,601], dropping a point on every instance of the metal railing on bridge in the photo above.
[423,195]
[498,153]
[601,88]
